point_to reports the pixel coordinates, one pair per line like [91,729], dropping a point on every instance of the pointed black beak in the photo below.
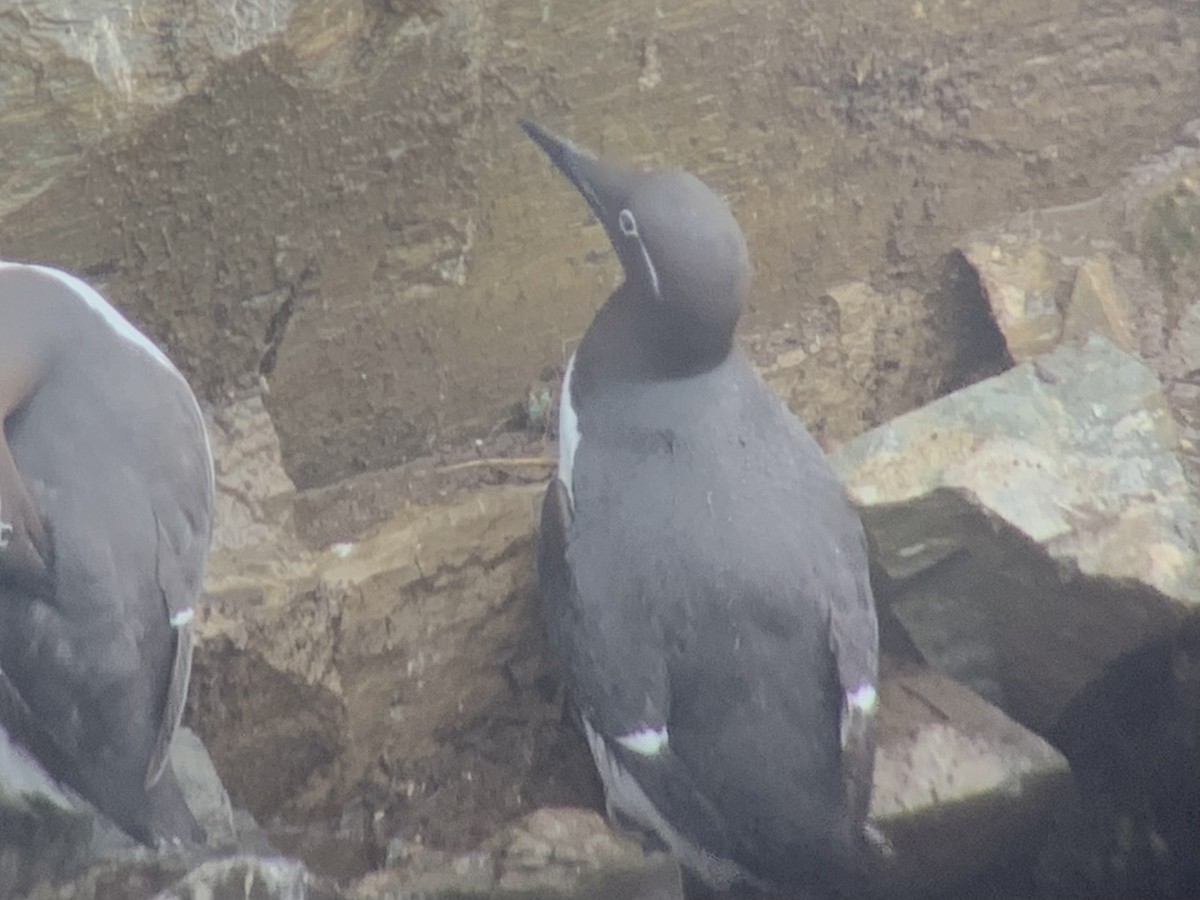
[562,152]
[604,186]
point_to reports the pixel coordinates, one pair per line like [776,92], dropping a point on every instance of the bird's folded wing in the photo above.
[854,640]
[616,663]
[25,550]
[183,522]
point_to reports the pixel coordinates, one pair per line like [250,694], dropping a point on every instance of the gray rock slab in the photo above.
[1038,523]
[960,788]
[1124,265]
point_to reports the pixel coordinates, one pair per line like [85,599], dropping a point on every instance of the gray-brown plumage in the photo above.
[106,488]
[704,577]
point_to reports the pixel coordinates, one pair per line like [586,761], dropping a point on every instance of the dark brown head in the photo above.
[686,266]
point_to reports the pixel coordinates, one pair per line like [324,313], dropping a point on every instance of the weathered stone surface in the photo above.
[138,876]
[249,878]
[1097,307]
[1019,283]
[853,329]
[76,75]
[1124,265]
[370,654]
[334,196]
[960,788]
[372,658]
[1183,386]
[254,535]
[1168,223]
[264,661]
[264,693]
[1048,505]
[557,854]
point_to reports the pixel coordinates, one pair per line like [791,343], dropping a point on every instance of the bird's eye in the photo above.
[627,223]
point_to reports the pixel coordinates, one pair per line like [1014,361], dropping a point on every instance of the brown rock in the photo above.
[1019,283]
[960,788]
[386,661]
[104,72]
[254,531]
[855,330]
[1098,307]
[1124,265]
[556,854]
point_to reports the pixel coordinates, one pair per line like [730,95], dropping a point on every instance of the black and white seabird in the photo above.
[704,577]
[106,487]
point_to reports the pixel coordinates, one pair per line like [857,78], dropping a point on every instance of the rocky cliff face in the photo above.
[321,210]
[334,196]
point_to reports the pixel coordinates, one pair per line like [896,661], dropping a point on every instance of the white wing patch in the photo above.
[857,711]
[623,795]
[183,617]
[864,698]
[628,225]
[645,741]
[568,433]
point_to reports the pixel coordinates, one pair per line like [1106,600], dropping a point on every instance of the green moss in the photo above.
[1171,237]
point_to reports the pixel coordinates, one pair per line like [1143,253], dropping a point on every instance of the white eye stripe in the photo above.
[650,269]
[627,223]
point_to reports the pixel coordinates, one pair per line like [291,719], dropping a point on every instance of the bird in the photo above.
[106,495]
[704,576]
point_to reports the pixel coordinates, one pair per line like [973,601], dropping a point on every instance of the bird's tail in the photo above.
[171,820]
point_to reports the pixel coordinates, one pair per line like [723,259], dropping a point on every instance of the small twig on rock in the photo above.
[522,461]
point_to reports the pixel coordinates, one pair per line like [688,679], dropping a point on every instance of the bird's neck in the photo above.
[634,338]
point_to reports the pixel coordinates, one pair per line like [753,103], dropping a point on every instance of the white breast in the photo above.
[568,434]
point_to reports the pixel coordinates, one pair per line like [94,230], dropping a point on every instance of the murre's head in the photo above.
[686,266]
